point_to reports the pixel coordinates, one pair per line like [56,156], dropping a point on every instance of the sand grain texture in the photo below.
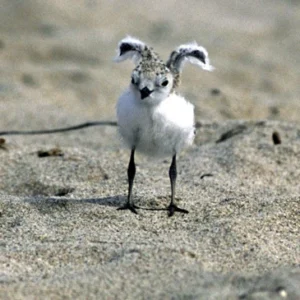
[61,236]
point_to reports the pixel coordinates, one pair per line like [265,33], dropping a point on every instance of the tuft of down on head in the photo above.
[192,53]
[147,60]
[130,48]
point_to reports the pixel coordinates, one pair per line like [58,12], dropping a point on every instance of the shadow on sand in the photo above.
[50,204]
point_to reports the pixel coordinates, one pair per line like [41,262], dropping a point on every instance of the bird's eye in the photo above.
[165,83]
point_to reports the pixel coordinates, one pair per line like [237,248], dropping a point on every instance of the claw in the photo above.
[132,208]
[172,208]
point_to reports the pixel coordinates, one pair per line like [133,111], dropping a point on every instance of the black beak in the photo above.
[145,92]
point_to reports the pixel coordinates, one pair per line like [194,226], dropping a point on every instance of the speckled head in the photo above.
[150,62]
[153,78]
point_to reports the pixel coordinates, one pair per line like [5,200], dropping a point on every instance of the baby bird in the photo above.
[152,118]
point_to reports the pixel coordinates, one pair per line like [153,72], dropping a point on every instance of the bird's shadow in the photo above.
[50,204]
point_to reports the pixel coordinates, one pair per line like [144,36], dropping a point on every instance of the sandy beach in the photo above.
[61,235]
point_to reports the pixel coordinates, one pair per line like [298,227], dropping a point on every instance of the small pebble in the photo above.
[276,138]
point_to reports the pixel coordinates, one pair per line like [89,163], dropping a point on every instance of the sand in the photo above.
[61,235]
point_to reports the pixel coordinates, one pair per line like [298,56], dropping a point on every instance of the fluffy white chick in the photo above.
[152,118]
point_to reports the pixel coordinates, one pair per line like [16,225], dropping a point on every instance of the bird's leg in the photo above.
[131,173]
[173,174]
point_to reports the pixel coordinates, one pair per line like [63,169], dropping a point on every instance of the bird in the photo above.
[152,118]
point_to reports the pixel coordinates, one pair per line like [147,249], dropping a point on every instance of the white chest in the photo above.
[159,130]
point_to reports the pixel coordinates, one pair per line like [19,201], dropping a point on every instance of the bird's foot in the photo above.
[172,208]
[129,206]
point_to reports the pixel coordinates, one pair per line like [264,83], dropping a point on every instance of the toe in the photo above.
[172,208]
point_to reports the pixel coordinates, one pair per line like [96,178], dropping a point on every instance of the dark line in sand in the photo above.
[50,131]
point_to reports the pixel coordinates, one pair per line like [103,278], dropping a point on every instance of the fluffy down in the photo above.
[160,130]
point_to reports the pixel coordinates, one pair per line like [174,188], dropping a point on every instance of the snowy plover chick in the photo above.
[152,118]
